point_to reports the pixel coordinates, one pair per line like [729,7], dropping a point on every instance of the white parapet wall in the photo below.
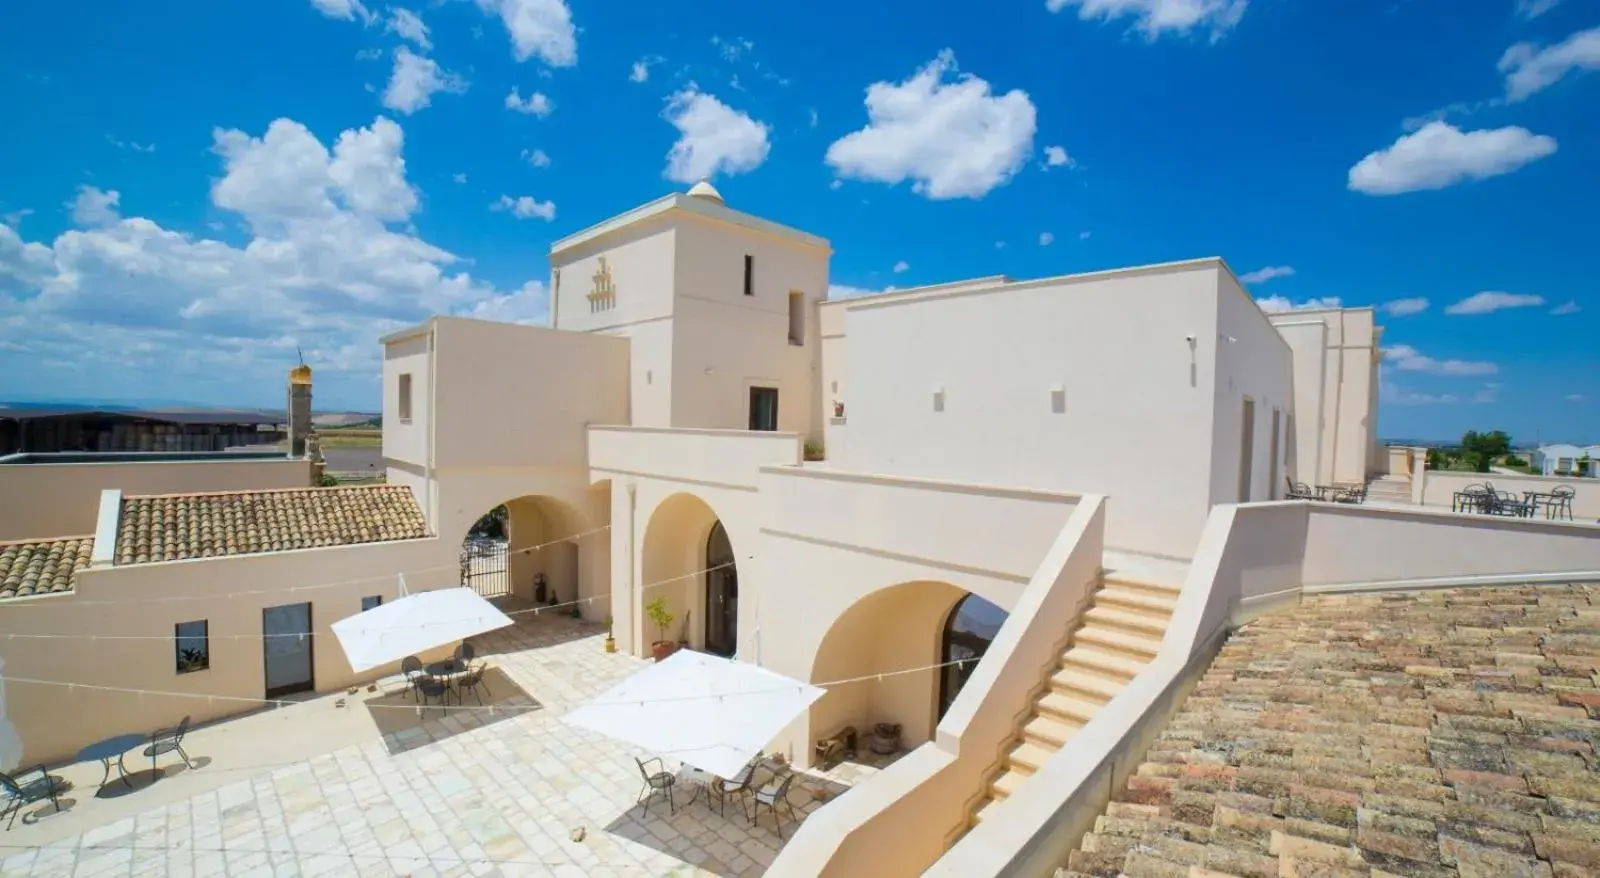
[901,820]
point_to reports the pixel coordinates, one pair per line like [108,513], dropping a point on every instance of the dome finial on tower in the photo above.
[706,191]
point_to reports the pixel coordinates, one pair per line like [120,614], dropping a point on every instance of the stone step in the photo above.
[1079,683]
[1029,757]
[1127,620]
[1103,662]
[1006,783]
[1135,646]
[1134,599]
[1050,731]
[1057,704]
[1155,588]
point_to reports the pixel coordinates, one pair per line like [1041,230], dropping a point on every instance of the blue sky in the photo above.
[194,189]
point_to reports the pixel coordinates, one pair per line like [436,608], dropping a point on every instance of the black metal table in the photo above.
[112,750]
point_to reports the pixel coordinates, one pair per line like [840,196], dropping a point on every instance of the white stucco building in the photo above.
[1564,459]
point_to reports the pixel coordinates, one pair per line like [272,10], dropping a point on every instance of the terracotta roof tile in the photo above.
[1447,733]
[35,567]
[175,527]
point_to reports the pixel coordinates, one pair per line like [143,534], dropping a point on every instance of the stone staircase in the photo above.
[1390,489]
[1120,633]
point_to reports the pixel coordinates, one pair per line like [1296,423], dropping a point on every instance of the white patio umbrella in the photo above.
[415,623]
[702,710]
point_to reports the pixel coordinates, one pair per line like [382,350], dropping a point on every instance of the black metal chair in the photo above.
[772,795]
[722,789]
[411,666]
[1350,494]
[24,789]
[473,680]
[659,781]
[169,741]
[1560,502]
[1299,490]
[428,688]
[466,652]
[1507,504]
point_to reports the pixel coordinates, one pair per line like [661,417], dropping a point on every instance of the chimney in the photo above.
[299,409]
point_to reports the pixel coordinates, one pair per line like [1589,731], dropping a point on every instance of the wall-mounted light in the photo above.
[938,399]
[1058,399]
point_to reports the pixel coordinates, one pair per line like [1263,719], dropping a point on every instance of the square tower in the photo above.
[720,308]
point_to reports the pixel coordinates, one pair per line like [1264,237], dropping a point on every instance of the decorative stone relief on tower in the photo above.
[604,295]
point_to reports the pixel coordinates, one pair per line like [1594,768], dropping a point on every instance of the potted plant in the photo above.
[657,612]
[611,642]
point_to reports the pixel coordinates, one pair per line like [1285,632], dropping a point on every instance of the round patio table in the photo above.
[447,668]
[112,750]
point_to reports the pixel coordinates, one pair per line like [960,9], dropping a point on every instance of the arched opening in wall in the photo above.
[530,548]
[970,628]
[890,631]
[690,572]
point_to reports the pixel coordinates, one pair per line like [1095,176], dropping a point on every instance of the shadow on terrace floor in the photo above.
[532,630]
[722,840]
[406,724]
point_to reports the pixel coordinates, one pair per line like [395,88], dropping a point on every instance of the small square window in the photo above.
[194,646]
[371,602]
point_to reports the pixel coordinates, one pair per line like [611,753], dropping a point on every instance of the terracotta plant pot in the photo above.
[611,643]
[662,648]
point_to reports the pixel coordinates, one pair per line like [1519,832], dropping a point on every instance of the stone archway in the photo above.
[688,562]
[892,629]
[531,548]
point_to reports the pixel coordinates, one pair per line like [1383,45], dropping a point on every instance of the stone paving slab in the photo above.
[462,793]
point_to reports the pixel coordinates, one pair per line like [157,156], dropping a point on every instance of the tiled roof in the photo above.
[1444,733]
[173,527]
[36,567]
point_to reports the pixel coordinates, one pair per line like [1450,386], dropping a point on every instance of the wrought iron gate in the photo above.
[484,566]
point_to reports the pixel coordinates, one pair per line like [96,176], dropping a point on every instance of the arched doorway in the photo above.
[528,548]
[970,628]
[722,594]
[683,540]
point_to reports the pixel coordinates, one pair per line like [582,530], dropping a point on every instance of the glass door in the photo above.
[287,649]
[722,595]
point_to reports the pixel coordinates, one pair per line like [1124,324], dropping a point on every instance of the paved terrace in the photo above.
[1444,733]
[324,788]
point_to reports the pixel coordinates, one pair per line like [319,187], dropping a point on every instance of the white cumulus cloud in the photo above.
[1046,239]
[1274,304]
[713,138]
[345,10]
[537,157]
[1531,9]
[539,29]
[1056,156]
[1155,17]
[951,137]
[1404,307]
[1491,301]
[329,264]
[1438,155]
[408,25]
[415,80]
[1408,359]
[95,207]
[525,207]
[1262,275]
[1569,307]
[536,104]
[902,266]
[1530,69]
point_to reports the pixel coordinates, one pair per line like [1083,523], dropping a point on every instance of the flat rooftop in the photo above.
[1440,733]
[58,457]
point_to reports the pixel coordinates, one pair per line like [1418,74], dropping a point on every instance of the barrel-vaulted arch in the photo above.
[903,626]
[689,560]
[552,542]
